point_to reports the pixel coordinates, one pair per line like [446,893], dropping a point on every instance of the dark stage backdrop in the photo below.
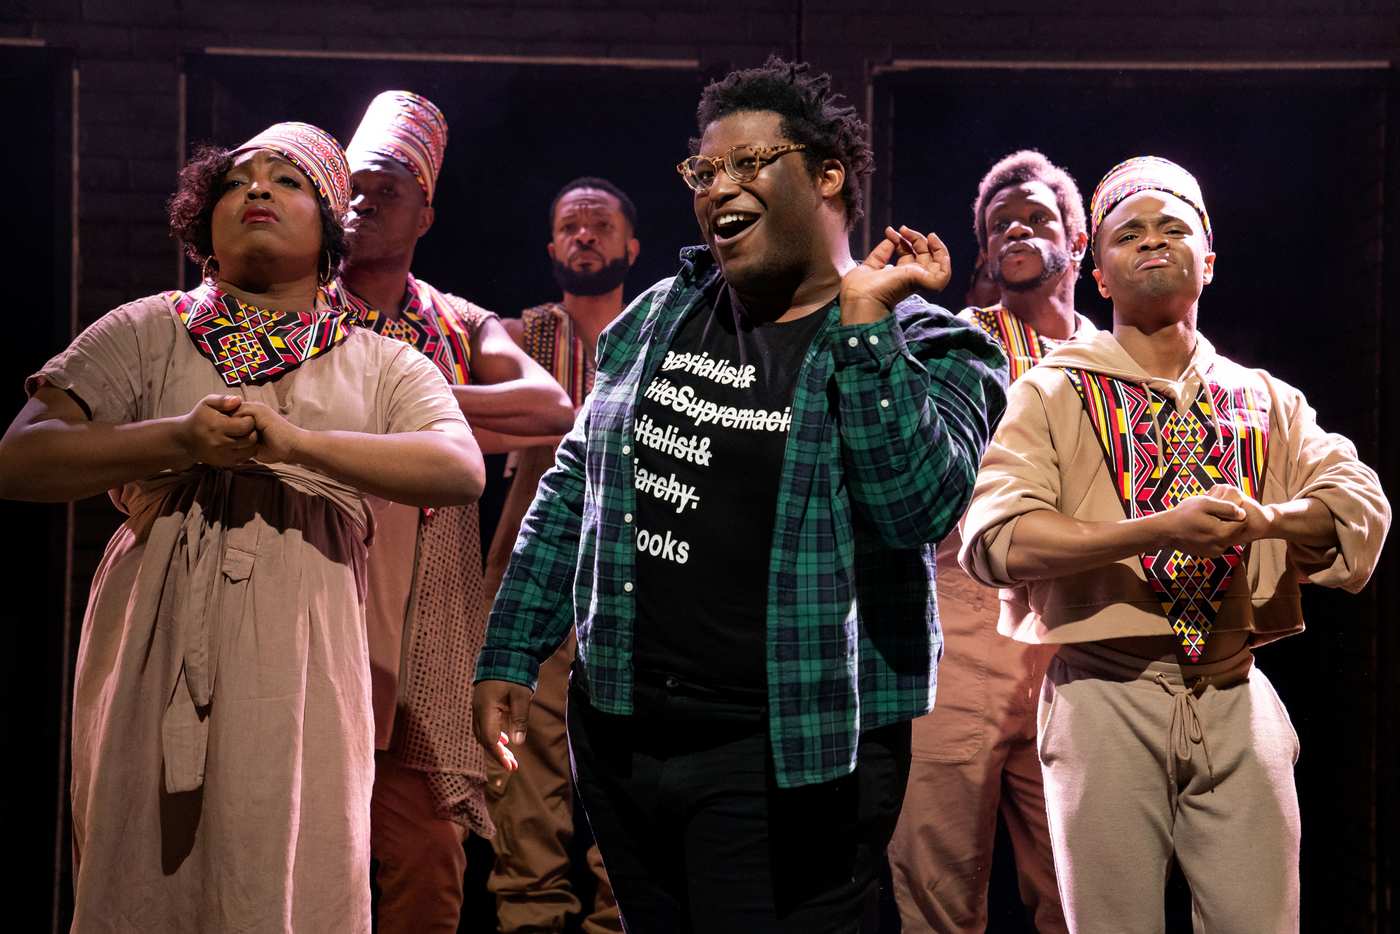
[516,134]
[1292,165]
[36,91]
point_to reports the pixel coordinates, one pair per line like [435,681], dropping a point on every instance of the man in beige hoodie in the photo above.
[1158,504]
[974,756]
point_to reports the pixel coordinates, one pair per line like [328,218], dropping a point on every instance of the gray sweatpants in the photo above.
[1141,767]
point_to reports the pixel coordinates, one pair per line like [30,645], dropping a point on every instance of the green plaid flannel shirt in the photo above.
[889,421]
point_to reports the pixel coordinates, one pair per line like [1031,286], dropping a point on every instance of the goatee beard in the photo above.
[1053,262]
[600,282]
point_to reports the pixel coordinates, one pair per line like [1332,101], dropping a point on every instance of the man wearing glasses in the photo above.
[744,518]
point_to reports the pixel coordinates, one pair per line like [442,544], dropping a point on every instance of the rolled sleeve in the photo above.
[1324,466]
[416,393]
[1020,473]
[104,367]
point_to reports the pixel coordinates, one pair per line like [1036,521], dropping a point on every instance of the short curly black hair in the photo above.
[1022,166]
[811,114]
[191,209]
[629,210]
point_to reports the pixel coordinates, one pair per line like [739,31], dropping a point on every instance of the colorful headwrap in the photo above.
[1146,173]
[408,129]
[316,153]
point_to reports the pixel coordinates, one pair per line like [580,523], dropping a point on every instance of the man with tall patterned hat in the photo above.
[974,755]
[1159,504]
[425,603]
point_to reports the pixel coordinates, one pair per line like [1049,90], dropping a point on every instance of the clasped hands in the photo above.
[226,431]
[1208,524]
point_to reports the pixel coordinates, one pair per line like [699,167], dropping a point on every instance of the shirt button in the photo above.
[627,517]
[884,403]
[627,449]
[627,587]
[874,338]
[853,342]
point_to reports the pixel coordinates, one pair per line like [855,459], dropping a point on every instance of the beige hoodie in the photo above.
[1045,455]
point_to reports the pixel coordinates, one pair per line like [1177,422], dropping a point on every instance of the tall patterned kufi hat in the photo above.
[407,128]
[1146,173]
[316,153]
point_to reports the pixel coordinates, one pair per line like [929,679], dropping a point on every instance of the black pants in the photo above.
[696,835]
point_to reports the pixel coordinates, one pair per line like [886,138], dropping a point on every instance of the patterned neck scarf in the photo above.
[1023,345]
[248,344]
[428,321]
[1155,463]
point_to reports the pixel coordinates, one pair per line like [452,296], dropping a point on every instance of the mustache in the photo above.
[1021,245]
[1053,262]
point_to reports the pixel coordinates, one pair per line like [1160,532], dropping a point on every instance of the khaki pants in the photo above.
[973,756]
[534,815]
[421,859]
[1142,768]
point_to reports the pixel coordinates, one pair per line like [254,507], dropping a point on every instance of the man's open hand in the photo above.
[902,262]
[500,710]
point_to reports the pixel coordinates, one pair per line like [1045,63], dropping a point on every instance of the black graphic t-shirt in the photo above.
[709,434]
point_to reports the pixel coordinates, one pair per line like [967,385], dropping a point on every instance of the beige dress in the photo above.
[223,742]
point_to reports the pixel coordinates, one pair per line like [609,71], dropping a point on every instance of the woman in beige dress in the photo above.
[222,732]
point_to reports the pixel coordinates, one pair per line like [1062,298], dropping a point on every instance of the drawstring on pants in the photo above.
[1185,728]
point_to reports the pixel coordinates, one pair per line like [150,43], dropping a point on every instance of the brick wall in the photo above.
[128,58]
[128,71]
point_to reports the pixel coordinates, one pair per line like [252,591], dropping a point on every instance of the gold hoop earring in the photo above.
[325,277]
[205,274]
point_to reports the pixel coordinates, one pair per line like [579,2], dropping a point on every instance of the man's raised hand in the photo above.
[904,261]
